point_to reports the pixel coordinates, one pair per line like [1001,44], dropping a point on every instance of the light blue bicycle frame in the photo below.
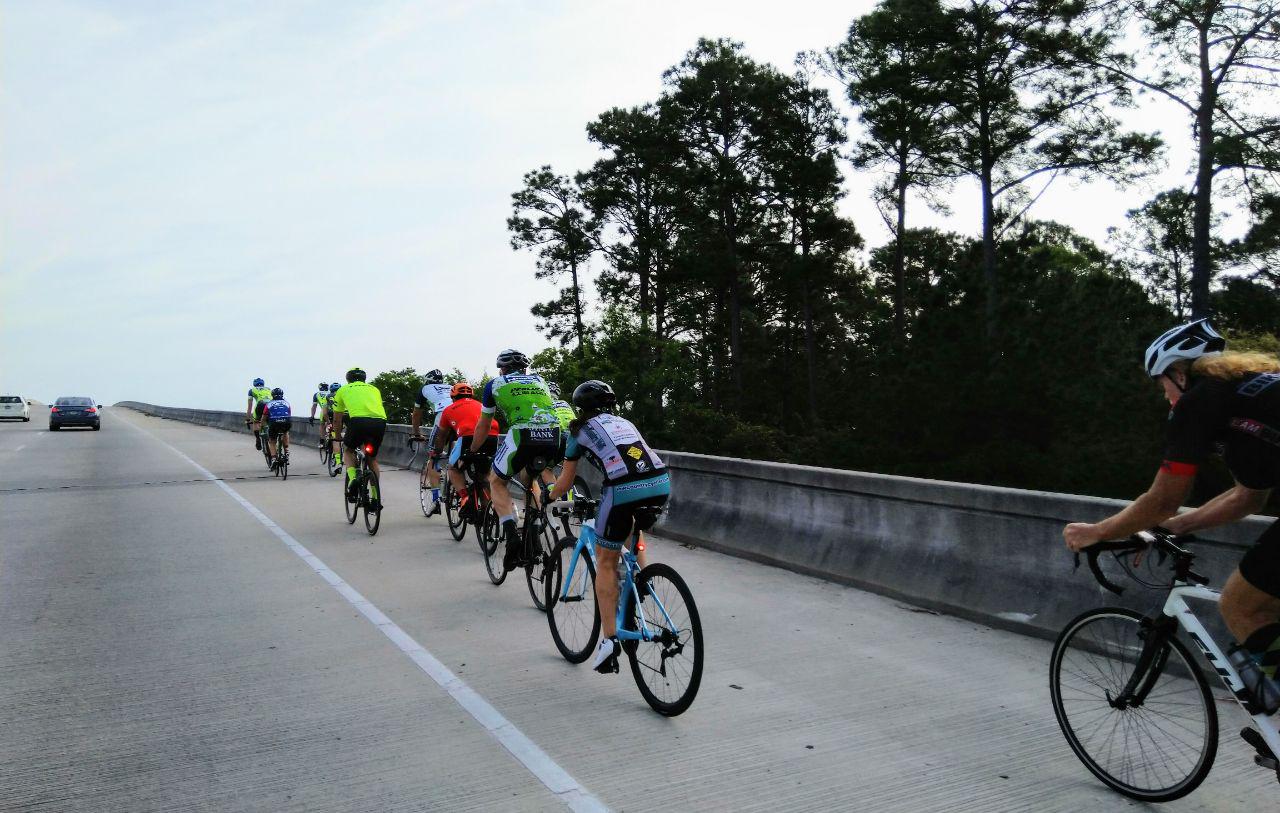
[587,544]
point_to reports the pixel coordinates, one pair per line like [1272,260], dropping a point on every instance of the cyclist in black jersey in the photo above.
[1231,402]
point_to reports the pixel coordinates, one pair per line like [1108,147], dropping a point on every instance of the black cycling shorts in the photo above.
[277,428]
[258,406]
[1260,565]
[365,430]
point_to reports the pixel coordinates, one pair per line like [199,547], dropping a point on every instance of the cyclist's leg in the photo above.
[454,473]
[1251,601]
[501,471]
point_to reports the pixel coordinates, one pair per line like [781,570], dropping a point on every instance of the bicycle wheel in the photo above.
[352,508]
[266,451]
[493,552]
[486,534]
[424,493]
[335,465]
[325,451]
[283,468]
[372,499]
[1154,752]
[572,612]
[535,574]
[453,512]
[668,669]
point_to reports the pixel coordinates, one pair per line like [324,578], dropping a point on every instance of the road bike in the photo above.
[280,463]
[476,492]
[1128,693]
[424,485]
[368,494]
[537,536]
[327,458]
[657,621]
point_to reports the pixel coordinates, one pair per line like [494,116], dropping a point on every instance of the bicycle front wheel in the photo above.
[535,574]
[372,499]
[453,511]
[667,669]
[1157,750]
[572,612]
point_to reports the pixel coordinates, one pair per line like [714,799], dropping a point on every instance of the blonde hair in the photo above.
[1231,365]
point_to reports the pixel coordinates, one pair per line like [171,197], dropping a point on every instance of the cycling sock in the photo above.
[435,495]
[505,518]
[1264,646]
[373,490]
[351,474]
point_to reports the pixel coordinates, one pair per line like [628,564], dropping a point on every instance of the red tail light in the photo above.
[368,448]
[53,409]
[92,410]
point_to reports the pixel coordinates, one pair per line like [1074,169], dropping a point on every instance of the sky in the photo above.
[196,194]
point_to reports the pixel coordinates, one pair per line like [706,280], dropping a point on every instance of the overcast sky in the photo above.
[196,193]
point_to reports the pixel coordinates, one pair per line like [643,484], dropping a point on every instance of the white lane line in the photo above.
[20,448]
[526,751]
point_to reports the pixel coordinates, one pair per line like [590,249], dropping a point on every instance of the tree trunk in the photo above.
[900,253]
[989,278]
[806,303]
[1202,213]
[577,303]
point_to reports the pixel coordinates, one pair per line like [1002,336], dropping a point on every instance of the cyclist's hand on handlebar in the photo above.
[1080,535]
[312,420]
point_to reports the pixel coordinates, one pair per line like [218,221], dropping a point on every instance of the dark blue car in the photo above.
[73,410]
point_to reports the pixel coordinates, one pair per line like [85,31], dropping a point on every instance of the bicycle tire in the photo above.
[424,493]
[325,451]
[372,515]
[335,464]
[567,619]
[352,508]
[487,534]
[453,512]
[493,564]
[1099,647]
[535,573]
[649,659]
[283,468]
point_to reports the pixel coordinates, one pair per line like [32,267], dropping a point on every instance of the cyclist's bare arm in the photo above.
[1161,501]
[482,432]
[565,480]
[416,421]
[1235,503]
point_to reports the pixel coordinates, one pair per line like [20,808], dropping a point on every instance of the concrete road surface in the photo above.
[171,642]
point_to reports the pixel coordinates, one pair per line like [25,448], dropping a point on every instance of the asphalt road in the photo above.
[173,642]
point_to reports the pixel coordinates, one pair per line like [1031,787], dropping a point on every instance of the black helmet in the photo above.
[594,396]
[323,387]
[277,393]
[434,377]
[512,360]
[355,374]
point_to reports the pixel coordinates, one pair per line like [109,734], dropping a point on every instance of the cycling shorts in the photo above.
[258,406]
[365,430]
[520,446]
[463,443]
[1260,565]
[277,428]
[617,517]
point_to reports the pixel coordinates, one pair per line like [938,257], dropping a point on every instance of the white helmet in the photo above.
[1183,343]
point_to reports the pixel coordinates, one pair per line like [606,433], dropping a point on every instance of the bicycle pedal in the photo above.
[1264,757]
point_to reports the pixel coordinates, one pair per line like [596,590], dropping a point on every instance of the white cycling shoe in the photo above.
[606,659]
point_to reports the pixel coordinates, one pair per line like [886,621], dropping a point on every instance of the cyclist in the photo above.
[564,414]
[360,404]
[634,477]
[320,401]
[1232,399]
[458,420]
[434,397]
[258,396]
[532,429]
[279,417]
[328,418]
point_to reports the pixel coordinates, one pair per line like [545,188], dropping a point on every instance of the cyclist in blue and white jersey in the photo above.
[279,417]
[634,477]
[431,400]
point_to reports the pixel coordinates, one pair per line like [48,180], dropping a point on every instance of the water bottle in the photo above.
[1263,690]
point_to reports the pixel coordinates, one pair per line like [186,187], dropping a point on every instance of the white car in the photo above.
[15,406]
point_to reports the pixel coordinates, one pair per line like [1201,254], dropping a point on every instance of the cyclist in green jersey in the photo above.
[333,436]
[360,405]
[258,397]
[532,430]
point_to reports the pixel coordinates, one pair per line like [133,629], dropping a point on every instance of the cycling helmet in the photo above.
[258,382]
[435,377]
[277,393]
[355,374]
[512,360]
[554,388]
[462,390]
[1183,343]
[334,387]
[594,396]
[323,387]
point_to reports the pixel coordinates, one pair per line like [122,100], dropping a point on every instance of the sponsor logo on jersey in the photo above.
[634,453]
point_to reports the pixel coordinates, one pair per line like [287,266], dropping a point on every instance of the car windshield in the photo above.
[71,401]
[10,399]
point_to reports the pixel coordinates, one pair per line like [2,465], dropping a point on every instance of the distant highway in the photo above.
[181,631]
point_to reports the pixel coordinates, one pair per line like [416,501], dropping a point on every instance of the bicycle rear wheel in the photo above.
[485,533]
[490,533]
[572,612]
[668,669]
[1154,752]
[352,508]
[453,511]
[335,465]
[372,499]
[283,467]
[535,573]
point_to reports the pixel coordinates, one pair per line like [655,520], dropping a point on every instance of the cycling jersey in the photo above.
[435,399]
[564,413]
[260,395]
[462,415]
[277,410]
[616,448]
[1240,416]
[321,399]
[360,400]
[523,399]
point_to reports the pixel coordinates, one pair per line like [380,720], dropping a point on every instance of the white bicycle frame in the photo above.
[1177,608]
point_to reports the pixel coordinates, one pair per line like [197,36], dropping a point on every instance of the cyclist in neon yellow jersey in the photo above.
[258,397]
[360,405]
[532,429]
[333,436]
